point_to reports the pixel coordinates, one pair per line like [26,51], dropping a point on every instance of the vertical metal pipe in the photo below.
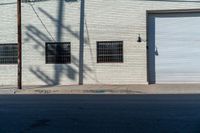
[19,36]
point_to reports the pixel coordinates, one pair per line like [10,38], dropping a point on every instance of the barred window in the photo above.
[110,52]
[27,1]
[58,52]
[8,53]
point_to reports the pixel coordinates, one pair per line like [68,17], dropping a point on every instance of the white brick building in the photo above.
[83,24]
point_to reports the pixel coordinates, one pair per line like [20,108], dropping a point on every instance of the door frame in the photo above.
[152,12]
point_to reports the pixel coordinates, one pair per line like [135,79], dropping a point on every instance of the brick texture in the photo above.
[59,20]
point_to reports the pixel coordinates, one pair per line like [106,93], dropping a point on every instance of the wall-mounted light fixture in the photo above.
[140,39]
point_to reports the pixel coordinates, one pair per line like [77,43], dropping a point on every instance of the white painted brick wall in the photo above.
[121,20]
[8,73]
[105,20]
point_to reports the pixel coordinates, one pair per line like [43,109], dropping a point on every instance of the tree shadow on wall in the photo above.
[39,37]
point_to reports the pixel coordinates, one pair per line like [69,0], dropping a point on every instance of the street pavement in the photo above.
[99,113]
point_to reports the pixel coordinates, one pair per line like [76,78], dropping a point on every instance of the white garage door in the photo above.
[174,48]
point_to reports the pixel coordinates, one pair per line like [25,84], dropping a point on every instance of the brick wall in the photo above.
[57,20]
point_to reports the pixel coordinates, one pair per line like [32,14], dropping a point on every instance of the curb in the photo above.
[7,91]
[105,89]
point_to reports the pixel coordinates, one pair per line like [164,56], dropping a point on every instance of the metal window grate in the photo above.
[110,52]
[27,1]
[8,53]
[58,52]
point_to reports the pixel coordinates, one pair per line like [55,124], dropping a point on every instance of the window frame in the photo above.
[56,43]
[13,44]
[111,42]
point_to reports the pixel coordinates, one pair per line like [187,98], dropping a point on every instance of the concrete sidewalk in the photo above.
[106,89]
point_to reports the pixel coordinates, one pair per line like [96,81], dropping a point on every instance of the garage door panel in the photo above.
[174,48]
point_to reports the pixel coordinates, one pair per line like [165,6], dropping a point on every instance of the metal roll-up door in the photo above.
[174,48]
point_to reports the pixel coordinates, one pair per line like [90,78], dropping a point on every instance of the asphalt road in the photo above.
[100,114]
